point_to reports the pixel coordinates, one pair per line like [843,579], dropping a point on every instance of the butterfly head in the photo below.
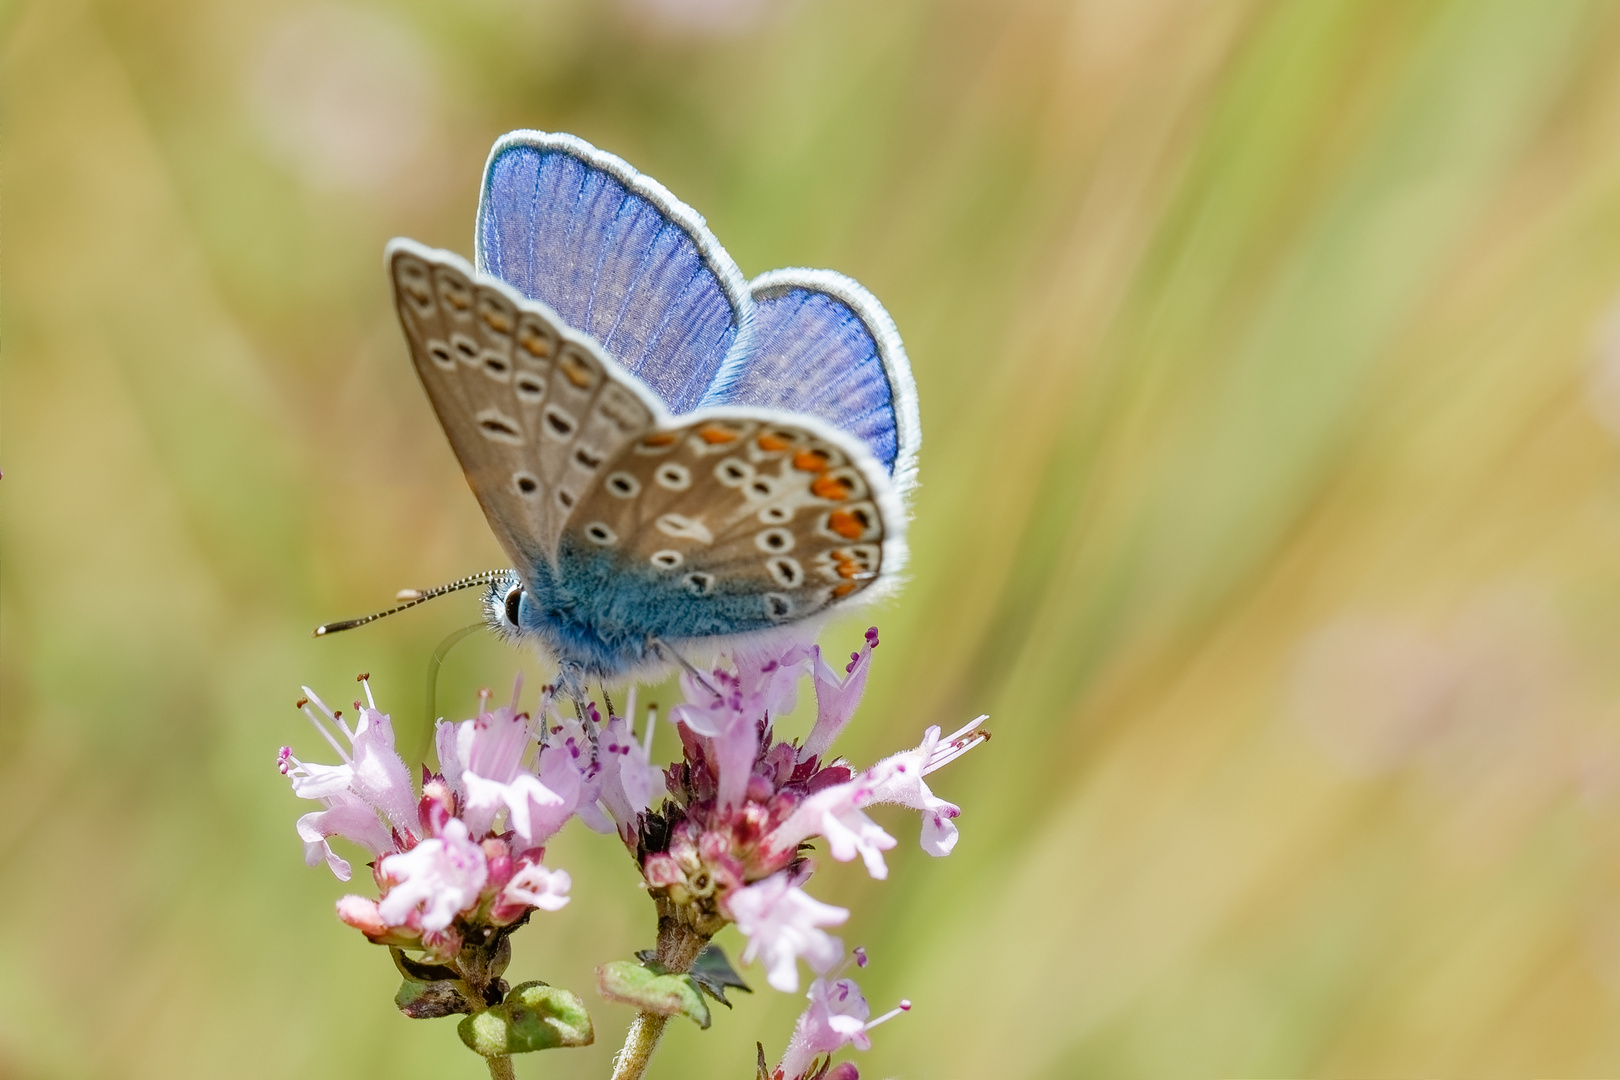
[504,603]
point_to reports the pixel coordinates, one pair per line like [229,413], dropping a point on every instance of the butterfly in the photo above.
[670,456]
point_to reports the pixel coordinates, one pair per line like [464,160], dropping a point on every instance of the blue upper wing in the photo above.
[823,345]
[618,257]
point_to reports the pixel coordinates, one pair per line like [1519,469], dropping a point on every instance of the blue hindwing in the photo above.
[825,346]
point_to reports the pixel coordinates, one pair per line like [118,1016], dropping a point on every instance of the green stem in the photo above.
[678,945]
[500,1068]
[639,1044]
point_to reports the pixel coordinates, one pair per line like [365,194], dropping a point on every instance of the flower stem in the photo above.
[500,1068]
[639,1044]
[678,945]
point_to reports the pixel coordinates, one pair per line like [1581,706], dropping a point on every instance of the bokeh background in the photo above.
[1270,376]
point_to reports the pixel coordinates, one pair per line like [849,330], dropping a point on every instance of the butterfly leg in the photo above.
[571,682]
[666,650]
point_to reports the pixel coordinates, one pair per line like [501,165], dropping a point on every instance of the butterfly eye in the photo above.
[514,600]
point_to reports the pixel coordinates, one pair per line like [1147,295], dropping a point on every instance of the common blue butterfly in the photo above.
[669,454]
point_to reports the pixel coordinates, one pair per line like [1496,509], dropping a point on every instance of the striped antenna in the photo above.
[412,597]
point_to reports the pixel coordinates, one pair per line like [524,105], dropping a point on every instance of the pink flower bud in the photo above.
[362,914]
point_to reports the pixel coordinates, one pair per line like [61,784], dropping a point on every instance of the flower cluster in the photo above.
[729,845]
[441,866]
[720,836]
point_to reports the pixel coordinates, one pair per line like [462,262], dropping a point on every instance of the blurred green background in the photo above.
[1270,380]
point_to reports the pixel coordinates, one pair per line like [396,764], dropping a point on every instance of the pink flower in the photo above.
[899,779]
[629,780]
[536,886]
[365,797]
[731,723]
[783,923]
[837,698]
[835,813]
[490,747]
[732,713]
[769,675]
[835,1018]
[438,878]
[346,815]
[441,861]
[528,801]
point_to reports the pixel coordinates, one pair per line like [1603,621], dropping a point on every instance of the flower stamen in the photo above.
[322,728]
[903,1007]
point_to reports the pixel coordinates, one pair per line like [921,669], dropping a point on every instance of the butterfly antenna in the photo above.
[412,597]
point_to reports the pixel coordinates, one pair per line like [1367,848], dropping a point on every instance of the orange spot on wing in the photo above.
[836,488]
[847,566]
[576,371]
[772,443]
[845,524]
[844,589]
[713,434]
[664,439]
[497,321]
[535,345]
[811,461]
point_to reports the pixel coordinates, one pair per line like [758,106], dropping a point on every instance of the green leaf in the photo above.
[429,1001]
[713,973]
[651,991]
[534,1016]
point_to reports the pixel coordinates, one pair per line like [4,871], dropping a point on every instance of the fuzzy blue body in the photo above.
[600,616]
